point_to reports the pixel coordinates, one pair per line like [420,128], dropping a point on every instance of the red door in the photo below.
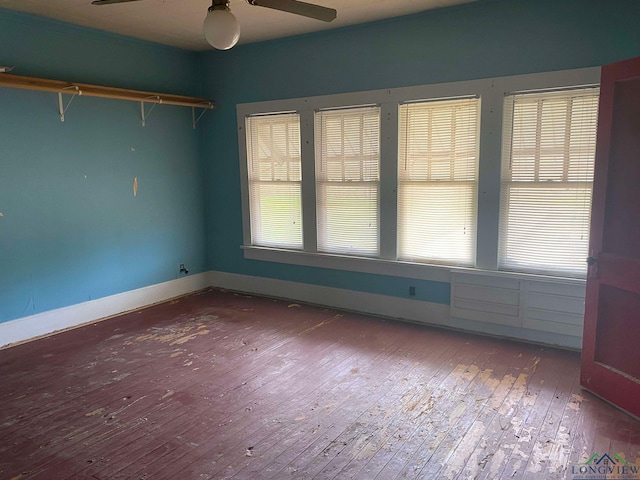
[611,345]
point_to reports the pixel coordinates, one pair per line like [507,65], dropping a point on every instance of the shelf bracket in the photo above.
[62,108]
[144,114]
[195,120]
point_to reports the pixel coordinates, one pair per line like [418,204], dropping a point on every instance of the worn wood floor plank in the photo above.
[227,402]
[369,430]
[448,408]
[224,385]
[399,419]
[221,444]
[465,433]
[340,379]
[292,462]
[543,380]
[547,437]
[330,401]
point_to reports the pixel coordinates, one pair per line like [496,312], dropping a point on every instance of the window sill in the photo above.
[377,266]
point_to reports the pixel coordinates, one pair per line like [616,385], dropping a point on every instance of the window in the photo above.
[347,180]
[275,175]
[437,181]
[547,177]
[414,182]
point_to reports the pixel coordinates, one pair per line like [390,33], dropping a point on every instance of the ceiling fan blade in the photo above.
[299,8]
[107,2]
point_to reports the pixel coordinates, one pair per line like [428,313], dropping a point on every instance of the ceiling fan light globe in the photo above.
[221,29]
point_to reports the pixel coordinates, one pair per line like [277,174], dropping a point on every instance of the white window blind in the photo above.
[273,155]
[347,180]
[547,179]
[437,181]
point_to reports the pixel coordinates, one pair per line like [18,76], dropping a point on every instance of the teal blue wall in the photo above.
[71,229]
[39,47]
[483,39]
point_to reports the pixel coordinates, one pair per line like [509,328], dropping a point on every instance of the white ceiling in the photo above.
[179,22]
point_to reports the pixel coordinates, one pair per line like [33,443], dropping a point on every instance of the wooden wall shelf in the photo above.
[82,89]
[72,88]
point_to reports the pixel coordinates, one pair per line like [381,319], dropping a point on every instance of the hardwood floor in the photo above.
[221,385]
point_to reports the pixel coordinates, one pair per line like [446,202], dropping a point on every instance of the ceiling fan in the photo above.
[221,29]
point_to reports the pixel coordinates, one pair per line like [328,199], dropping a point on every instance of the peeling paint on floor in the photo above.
[97,411]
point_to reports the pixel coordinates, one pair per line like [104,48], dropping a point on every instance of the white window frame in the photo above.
[491,92]
[431,171]
[278,179]
[363,229]
[563,255]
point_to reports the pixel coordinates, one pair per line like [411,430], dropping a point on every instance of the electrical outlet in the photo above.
[182,267]
[412,291]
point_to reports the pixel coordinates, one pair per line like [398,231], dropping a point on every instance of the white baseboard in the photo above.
[370,303]
[45,323]
[414,311]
